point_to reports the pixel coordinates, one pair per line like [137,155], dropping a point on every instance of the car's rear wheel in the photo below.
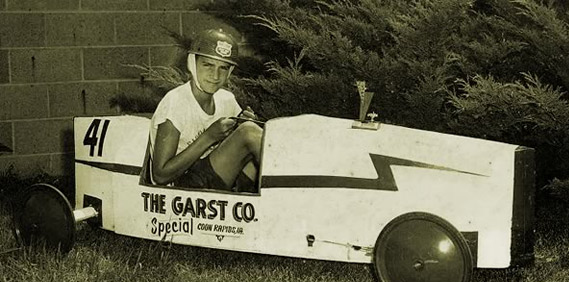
[422,247]
[43,217]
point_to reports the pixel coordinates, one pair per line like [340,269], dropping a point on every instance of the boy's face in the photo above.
[212,74]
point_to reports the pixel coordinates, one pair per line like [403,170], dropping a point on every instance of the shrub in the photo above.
[523,112]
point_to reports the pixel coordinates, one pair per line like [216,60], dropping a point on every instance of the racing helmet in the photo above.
[216,44]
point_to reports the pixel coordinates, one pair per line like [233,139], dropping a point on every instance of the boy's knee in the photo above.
[248,128]
[249,132]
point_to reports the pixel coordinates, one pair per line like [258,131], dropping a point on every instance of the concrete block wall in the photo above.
[66,58]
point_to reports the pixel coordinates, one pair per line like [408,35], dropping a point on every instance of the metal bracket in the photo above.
[310,239]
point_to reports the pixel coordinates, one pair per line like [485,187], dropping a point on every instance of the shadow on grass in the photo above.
[187,263]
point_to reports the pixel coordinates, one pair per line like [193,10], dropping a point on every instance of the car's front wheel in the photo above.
[421,247]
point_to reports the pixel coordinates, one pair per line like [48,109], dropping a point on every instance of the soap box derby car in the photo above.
[417,205]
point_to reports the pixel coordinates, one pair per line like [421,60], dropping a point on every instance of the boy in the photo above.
[193,141]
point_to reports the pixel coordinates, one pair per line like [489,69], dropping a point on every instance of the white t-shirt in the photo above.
[181,108]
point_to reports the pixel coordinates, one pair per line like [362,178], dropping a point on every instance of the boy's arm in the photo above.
[166,165]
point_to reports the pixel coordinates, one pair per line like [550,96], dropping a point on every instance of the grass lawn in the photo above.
[100,255]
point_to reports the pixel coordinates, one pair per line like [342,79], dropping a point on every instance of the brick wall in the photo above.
[66,58]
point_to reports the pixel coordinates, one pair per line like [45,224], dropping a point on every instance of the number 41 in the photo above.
[91,138]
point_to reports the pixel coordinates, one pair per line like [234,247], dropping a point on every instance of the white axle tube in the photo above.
[84,213]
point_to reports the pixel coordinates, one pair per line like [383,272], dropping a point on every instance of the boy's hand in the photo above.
[220,129]
[248,113]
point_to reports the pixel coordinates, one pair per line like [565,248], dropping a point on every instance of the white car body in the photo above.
[326,190]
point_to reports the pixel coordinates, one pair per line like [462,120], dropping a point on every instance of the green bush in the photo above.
[12,184]
[559,189]
[526,113]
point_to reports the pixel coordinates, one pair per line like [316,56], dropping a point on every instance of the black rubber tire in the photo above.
[43,217]
[421,247]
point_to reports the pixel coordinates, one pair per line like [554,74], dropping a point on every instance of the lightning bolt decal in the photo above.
[384,181]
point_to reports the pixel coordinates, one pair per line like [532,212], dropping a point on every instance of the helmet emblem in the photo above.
[223,49]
